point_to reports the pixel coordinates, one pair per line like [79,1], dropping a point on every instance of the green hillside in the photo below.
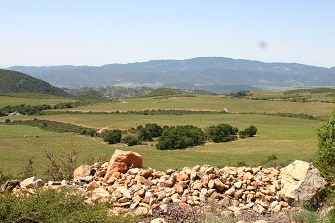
[17,82]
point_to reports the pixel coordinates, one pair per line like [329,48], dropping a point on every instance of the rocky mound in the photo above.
[229,191]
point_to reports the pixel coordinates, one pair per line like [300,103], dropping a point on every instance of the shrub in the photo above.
[144,135]
[180,137]
[221,133]
[250,131]
[61,169]
[7,120]
[55,206]
[131,140]
[112,136]
[325,155]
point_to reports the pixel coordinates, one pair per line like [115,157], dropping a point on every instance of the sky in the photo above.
[94,33]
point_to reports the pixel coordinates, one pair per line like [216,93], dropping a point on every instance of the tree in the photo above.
[180,137]
[154,129]
[221,133]
[144,135]
[250,131]
[112,136]
[325,155]
[131,140]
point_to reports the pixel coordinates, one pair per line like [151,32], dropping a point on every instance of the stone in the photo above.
[81,171]
[100,193]
[158,220]
[179,188]
[166,183]
[32,182]
[122,161]
[92,185]
[141,211]
[9,185]
[301,182]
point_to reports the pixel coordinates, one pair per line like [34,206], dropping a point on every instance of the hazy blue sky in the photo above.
[82,32]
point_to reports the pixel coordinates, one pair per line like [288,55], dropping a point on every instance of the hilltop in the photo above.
[17,82]
[216,74]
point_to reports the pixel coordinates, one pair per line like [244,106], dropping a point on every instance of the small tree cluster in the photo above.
[131,140]
[221,133]
[112,136]
[149,131]
[180,137]
[248,132]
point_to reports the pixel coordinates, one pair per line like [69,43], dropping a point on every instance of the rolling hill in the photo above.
[207,73]
[17,82]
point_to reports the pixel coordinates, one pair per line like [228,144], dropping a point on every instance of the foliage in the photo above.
[29,170]
[17,82]
[57,126]
[325,155]
[250,131]
[149,131]
[221,133]
[312,90]
[61,169]
[49,206]
[131,140]
[240,94]
[180,137]
[4,177]
[112,136]
[163,92]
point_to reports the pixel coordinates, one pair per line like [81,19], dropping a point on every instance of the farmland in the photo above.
[287,138]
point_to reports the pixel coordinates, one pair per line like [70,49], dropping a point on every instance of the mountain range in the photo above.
[216,74]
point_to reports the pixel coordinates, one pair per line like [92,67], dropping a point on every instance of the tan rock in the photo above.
[81,171]
[92,185]
[301,182]
[122,161]
[179,188]
[166,183]
[158,220]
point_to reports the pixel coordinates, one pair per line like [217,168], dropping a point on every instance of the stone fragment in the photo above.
[81,171]
[158,220]
[32,182]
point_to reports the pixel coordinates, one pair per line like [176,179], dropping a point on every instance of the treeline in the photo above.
[312,90]
[56,126]
[177,137]
[37,109]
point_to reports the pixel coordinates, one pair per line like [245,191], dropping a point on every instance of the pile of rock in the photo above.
[130,188]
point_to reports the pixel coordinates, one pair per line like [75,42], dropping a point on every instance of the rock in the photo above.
[9,185]
[122,161]
[141,211]
[301,182]
[32,182]
[158,220]
[91,186]
[100,193]
[81,171]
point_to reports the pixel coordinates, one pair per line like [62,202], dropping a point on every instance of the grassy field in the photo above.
[14,101]
[213,103]
[286,138]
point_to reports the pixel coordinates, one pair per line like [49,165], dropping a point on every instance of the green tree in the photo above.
[144,135]
[250,131]
[180,137]
[131,140]
[221,133]
[325,155]
[112,136]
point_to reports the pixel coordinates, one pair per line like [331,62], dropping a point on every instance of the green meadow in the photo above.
[286,138]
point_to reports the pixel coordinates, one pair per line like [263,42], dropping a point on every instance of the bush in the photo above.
[325,155]
[112,136]
[221,133]
[250,131]
[131,140]
[180,137]
[7,120]
[144,135]
[55,206]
